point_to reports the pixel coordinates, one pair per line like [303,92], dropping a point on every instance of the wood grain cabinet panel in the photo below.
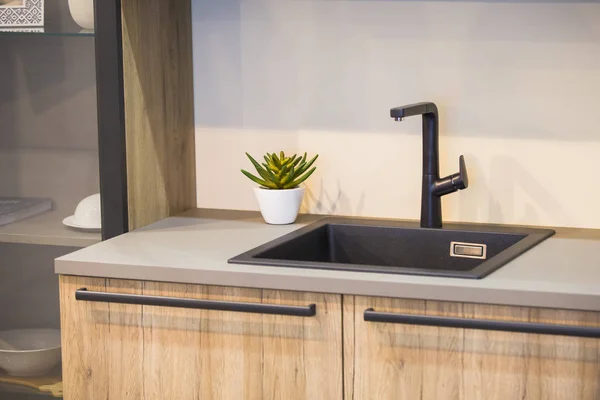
[120,352]
[102,344]
[395,361]
[159,108]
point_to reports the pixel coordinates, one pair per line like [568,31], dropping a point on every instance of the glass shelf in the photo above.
[57,22]
[46,229]
[44,31]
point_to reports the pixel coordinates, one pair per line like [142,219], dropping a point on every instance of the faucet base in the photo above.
[431,204]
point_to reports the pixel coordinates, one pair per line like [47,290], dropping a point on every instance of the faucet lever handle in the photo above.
[454,182]
[461,180]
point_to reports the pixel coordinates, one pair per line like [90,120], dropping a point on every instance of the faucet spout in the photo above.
[429,112]
[433,187]
[413,109]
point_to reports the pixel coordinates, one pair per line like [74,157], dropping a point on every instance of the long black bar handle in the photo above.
[490,325]
[178,302]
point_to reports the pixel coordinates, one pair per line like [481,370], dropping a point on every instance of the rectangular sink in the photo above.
[384,246]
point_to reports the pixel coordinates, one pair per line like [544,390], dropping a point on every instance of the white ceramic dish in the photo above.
[82,12]
[87,215]
[70,222]
[38,351]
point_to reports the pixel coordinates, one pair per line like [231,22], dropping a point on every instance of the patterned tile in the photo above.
[30,14]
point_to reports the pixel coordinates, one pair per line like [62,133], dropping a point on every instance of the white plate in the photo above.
[70,222]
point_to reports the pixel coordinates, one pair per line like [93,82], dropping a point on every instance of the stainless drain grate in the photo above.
[468,250]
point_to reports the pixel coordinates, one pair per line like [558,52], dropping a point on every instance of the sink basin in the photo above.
[397,247]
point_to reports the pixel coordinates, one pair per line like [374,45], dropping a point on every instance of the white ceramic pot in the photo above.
[279,207]
[82,12]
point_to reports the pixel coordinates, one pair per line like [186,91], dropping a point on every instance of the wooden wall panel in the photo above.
[159,108]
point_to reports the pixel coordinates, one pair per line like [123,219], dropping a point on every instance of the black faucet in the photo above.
[434,187]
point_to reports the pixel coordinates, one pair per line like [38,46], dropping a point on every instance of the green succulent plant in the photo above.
[281,172]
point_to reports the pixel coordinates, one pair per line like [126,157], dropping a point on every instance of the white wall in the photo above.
[517,84]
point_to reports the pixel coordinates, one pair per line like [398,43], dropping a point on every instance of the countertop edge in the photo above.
[335,285]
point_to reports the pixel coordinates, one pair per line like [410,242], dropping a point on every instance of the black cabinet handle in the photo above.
[258,308]
[489,325]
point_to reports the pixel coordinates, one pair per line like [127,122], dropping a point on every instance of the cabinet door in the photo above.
[102,343]
[399,361]
[126,351]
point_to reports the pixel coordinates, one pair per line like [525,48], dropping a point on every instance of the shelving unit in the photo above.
[64,175]
[47,229]
[48,148]
[55,24]
[79,111]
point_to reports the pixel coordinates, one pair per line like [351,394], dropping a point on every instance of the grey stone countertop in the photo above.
[561,272]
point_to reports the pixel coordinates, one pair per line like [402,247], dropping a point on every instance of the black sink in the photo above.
[383,246]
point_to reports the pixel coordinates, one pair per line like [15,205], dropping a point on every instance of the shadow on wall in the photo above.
[331,201]
[488,1]
[509,180]
[523,69]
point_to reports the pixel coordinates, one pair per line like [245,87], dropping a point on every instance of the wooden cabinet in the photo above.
[396,361]
[128,351]
[121,351]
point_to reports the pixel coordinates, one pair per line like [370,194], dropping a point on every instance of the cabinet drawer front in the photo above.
[194,341]
[404,353]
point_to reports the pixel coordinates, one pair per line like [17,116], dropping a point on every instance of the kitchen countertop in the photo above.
[561,272]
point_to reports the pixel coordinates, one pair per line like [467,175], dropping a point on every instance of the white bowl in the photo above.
[38,351]
[82,12]
[88,214]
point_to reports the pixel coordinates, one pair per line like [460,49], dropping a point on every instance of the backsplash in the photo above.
[517,85]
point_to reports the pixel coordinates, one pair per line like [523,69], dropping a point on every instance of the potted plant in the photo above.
[279,196]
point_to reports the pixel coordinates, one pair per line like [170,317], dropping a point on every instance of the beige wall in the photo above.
[517,84]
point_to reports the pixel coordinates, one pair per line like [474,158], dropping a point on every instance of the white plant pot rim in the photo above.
[278,190]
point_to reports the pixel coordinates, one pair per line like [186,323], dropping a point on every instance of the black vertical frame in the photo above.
[111,117]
